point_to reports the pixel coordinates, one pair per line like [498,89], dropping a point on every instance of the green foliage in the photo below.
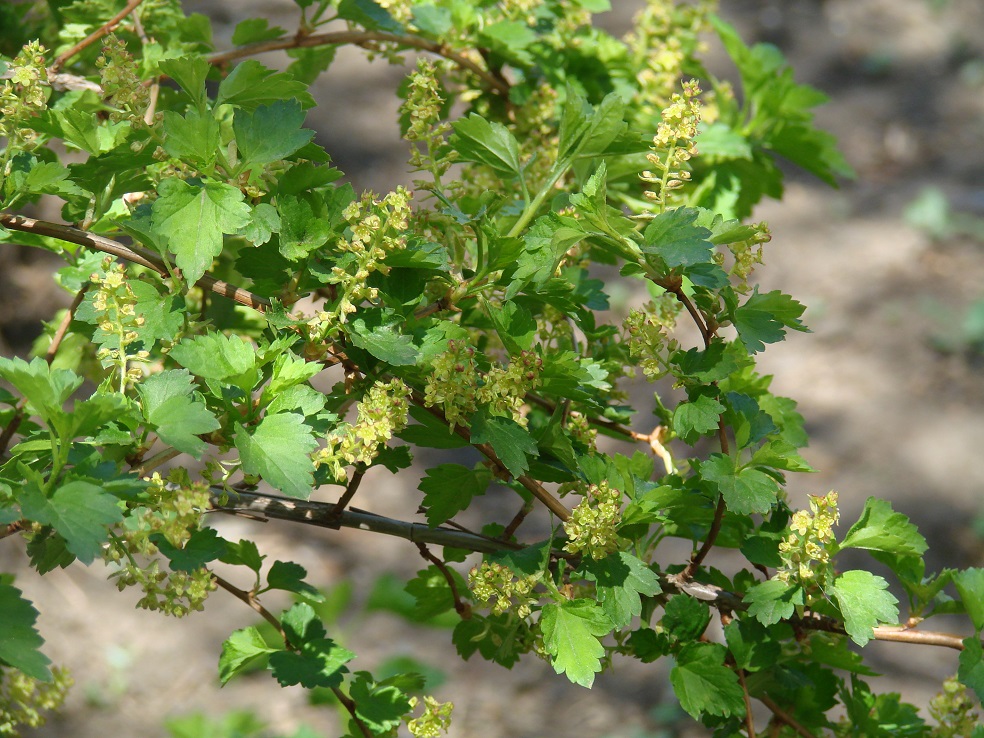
[267,329]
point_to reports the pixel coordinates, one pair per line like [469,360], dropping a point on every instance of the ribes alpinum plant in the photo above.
[250,334]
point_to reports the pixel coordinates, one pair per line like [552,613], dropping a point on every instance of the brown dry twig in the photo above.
[103,30]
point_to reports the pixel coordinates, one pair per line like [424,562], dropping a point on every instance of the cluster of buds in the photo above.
[174,511]
[23,96]
[673,145]
[24,700]
[453,382]
[435,720]
[592,526]
[805,552]
[504,390]
[122,86]
[647,334]
[953,709]
[511,593]
[427,132]
[582,432]
[666,33]
[383,411]
[747,254]
[115,307]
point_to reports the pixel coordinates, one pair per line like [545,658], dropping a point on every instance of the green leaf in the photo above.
[864,602]
[719,140]
[509,38]
[216,356]
[676,240]
[254,30]
[288,576]
[514,324]
[970,585]
[379,706]
[279,450]
[46,389]
[571,633]
[700,415]
[745,490]
[882,529]
[971,669]
[303,229]
[190,73]
[244,553]
[511,442]
[19,639]
[193,137]
[492,144]
[251,84]
[430,432]
[686,618]
[384,340]
[620,579]
[431,593]
[703,684]
[773,600]
[368,14]
[204,546]
[270,132]
[194,216]
[171,406]
[751,645]
[449,488]
[317,660]
[79,511]
[239,650]
[764,318]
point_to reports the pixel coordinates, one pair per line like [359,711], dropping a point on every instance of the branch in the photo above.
[135,254]
[785,717]
[719,511]
[250,600]
[365,39]
[103,30]
[323,514]
[462,608]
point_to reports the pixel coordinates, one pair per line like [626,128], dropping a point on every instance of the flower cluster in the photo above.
[426,131]
[453,382]
[647,334]
[747,254]
[24,699]
[504,390]
[592,525]
[382,412]
[582,432]
[458,387]
[667,36]
[435,720]
[492,580]
[118,322]
[805,551]
[673,145]
[173,511]
[23,96]
[121,84]
[953,709]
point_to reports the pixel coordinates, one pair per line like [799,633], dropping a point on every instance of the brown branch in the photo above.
[103,30]
[135,254]
[749,721]
[462,608]
[719,511]
[8,530]
[350,490]
[705,333]
[349,704]
[365,39]
[517,521]
[534,487]
[250,599]
[785,717]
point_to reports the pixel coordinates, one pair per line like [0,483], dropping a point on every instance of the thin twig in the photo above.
[785,716]
[135,254]
[749,721]
[350,491]
[364,39]
[103,30]
[349,704]
[517,520]
[719,511]
[462,608]
[254,603]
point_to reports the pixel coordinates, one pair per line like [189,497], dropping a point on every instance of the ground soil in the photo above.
[891,389]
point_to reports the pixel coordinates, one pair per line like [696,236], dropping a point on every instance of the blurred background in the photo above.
[891,383]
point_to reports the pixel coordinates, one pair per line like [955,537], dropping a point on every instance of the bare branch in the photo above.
[103,30]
